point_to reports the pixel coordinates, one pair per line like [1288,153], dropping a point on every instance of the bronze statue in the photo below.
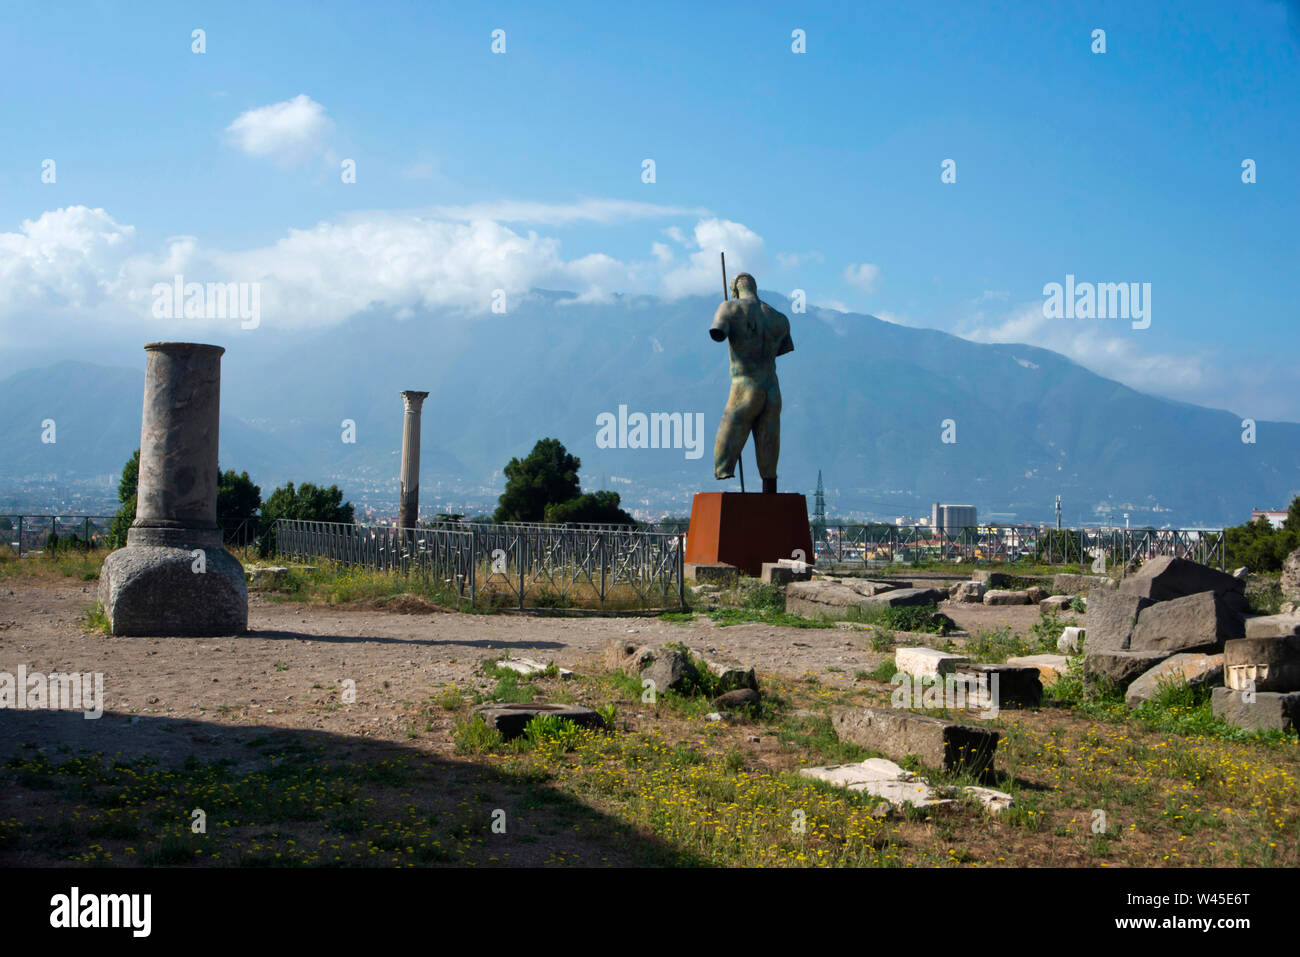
[757,334]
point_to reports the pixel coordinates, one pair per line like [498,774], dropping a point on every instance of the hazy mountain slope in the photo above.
[864,401]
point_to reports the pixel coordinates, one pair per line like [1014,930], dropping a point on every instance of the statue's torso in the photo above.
[757,334]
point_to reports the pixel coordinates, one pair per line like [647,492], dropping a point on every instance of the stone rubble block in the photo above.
[940,744]
[715,573]
[1056,604]
[1267,711]
[969,592]
[1190,669]
[1051,668]
[1009,685]
[512,719]
[1166,578]
[1082,584]
[1262,664]
[1003,597]
[1200,622]
[785,572]
[927,662]
[1111,618]
[529,667]
[1272,626]
[1119,667]
[885,779]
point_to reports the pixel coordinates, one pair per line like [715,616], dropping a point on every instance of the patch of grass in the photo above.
[97,620]
[882,639]
[751,616]
[473,735]
[884,671]
[1264,596]
[999,644]
[922,618]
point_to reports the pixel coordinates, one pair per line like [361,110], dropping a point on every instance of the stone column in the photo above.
[174,577]
[176,499]
[408,511]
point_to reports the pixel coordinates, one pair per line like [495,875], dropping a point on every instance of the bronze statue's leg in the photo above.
[733,429]
[767,439]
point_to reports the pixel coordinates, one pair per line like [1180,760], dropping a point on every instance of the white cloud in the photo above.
[76,257]
[862,275]
[287,132]
[66,259]
[702,273]
[1107,348]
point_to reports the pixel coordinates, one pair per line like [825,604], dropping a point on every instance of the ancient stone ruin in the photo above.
[174,577]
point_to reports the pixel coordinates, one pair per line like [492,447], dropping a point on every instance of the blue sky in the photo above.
[818,171]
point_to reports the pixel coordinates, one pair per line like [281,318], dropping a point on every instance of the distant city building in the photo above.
[905,520]
[952,516]
[1274,518]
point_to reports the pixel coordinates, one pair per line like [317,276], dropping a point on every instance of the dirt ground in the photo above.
[288,670]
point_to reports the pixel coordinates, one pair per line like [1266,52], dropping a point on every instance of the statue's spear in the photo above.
[726,295]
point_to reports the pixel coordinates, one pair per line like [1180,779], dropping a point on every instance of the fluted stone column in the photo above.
[174,577]
[408,510]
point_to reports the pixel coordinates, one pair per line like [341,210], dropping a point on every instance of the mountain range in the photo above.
[894,417]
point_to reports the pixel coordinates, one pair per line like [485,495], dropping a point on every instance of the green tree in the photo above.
[599,508]
[1292,523]
[307,502]
[126,492]
[238,501]
[548,476]
[1259,546]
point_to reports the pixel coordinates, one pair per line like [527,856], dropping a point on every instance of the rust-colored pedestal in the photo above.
[746,529]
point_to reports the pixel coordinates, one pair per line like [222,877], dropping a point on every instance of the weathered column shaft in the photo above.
[174,577]
[177,495]
[408,511]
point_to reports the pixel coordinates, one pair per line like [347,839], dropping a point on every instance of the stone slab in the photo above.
[840,599]
[1119,667]
[1111,618]
[713,573]
[1262,664]
[1002,597]
[1009,686]
[1051,668]
[1189,669]
[1082,584]
[783,573]
[1166,578]
[1055,604]
[927,662]
[1200,622]
[1269,711]
[511,719]
[1272,626]
[529,667]
[940,744]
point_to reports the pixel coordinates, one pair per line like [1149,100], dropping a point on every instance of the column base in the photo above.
[154,590]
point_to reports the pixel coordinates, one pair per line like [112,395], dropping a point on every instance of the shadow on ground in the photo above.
[122,790]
